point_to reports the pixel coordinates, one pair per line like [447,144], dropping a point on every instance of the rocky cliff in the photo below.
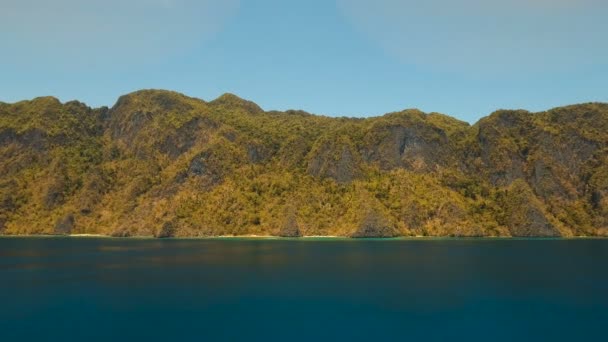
[159,163]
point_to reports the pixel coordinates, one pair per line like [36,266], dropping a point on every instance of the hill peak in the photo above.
[166,99]
[231,100]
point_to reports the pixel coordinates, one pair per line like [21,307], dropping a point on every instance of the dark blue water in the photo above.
[90,289]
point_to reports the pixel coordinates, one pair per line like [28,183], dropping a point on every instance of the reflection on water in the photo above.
[103,289]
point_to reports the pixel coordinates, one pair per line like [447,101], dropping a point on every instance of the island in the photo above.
[159,163]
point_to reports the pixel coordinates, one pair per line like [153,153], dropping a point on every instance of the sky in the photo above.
[465,58]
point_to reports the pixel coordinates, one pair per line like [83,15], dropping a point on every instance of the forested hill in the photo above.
[164,164]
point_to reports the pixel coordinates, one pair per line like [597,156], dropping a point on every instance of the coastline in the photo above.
[304,238]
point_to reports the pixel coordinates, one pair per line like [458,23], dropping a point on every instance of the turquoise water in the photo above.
[96,289]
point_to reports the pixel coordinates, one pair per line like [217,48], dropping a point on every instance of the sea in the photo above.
[313,289]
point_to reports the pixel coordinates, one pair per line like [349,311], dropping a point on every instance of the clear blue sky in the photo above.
[465,58]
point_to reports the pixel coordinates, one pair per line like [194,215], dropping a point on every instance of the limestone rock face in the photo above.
[335,161]
[184,138]
[417,147]
[502,140]
[525,215]
[290,227]
[167,230]
[35,139]
[197,165]
[374,225]
[121,233]
[64,225]
[164,164]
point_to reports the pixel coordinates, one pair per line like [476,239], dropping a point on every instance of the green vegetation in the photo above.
[164,164]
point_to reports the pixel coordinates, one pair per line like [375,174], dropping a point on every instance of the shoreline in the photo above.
[306,237]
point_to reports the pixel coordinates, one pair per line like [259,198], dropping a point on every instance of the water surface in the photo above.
[100,289]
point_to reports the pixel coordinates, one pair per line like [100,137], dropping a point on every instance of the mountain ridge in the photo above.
[165,164]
